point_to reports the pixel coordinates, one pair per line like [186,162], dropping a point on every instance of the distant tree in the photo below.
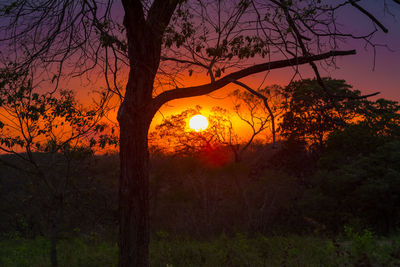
[224,40]
[312,112]
[382,117]
[173,135]
[378,124]
[362,191]
[50,138]
[259,109]
[357,179]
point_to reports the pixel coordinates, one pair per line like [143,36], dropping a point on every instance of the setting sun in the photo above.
[198,123]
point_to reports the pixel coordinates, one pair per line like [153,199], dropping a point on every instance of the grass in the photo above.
[358,249]
[19,252]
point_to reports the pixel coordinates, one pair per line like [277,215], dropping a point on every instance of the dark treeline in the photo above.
[338,164]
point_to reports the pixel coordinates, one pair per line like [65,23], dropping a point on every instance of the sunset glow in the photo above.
[198,123]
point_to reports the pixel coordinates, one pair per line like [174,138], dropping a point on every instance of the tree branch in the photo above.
[184,61]
[134,15]
[369,15]
[160,14]
[177,93]
[265,100]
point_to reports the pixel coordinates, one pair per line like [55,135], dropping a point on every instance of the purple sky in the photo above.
[359,70]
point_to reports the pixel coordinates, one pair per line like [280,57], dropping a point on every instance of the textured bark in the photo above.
[144,35]
[56,219]
[53,246]
[134,118]
[133,194]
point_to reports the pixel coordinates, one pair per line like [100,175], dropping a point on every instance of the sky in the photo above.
[368,71]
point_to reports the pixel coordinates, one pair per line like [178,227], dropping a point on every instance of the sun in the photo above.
[198,123]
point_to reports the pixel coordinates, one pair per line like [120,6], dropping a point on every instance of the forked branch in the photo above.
[265,100]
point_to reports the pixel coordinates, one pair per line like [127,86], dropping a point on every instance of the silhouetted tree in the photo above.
[357,178]
[50,136]
[261,107]
[312,112]
[173,135]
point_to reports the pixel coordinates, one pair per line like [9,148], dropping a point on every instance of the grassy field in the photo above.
[355,249]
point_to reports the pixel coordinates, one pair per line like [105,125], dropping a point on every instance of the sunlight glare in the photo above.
[198,123]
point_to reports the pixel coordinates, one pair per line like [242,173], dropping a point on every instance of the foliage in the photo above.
[360,189]
[72,252]
[247,105]
[90,197]
[383,117]
[175,133]
[271,202]
[57,128]
[312,112]
[239,250]
[293,157]
[353,178]
[362,242]
[37,122]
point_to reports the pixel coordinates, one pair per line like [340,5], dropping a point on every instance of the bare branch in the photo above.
[211,87]
[265,100]
[369,15]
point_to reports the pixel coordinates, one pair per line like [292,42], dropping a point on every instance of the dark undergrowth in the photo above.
[350,249]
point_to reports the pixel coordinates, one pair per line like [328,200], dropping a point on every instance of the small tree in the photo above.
[51,136]
[259,109]
[174,135]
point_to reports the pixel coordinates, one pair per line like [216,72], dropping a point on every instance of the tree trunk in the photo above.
[53,245]
[133,188]
[145,36]
[273,129]
[134,117]
[55,223]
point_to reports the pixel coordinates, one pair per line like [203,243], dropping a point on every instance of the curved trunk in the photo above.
[133,191]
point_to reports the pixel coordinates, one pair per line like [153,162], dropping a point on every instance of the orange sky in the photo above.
[356,70]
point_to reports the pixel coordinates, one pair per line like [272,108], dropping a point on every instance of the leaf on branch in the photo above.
[218,73]
[7,9]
